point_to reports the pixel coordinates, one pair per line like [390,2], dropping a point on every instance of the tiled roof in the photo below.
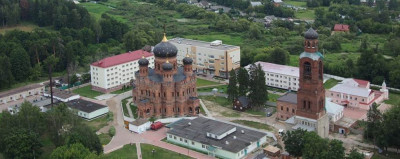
[341,27]
[276,68]
[121,58]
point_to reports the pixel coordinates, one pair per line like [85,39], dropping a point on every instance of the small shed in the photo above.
[272,151]
[242,103]
[139,125]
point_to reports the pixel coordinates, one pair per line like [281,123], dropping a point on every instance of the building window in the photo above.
[292,110]
[174,136]
[282,108]
[192,143]
[203,146]
[185,141]
[170,136]
[307,70]
[180,139]
[287,109]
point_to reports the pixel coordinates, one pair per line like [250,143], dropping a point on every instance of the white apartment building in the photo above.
[209,58]
[112,73]
[280,76]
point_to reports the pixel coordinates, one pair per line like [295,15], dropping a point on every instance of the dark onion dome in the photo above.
[165,49]
[167,66]
[187,60]
[143,61]
[311,34]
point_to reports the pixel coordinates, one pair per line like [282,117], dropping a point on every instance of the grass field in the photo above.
[126,152]
[255,112]
[28,27]
[97,124]
[87,92]
[253,124]
[134,110]
[122,90]
[202,82]
[273,97]
[394,99]
[219,100]
[124,101]
[97,10]
[296,3]
[104,139]
[305,14]
[209,89]
[159,153]
[330,83]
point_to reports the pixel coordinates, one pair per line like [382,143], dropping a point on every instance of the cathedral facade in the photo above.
[168,90]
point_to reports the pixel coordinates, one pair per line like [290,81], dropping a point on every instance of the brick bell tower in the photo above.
[311,93]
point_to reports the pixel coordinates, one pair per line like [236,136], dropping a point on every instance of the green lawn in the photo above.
[307,14]
[253,124]
[159,153]
[209,89]
[230,114]
[104,139]
[394,99]
[182,145]
[27,27]
[124,101]
[219,100]
[273,97]
[126,152]
[122,90]
[134,110]
[97,124]
[202,82]
[296,3]
[87,92]
[330,83]
[230,39]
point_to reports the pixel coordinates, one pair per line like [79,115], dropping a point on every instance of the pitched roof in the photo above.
[341,27]
[332,108]
[276,68]
[244,101]
[121,58]
[361,82]
[20,90]
[351,90]
[288,97]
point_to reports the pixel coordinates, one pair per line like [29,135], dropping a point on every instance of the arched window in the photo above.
[308,44]
[313,44]
[307,70]
[309,105]
[320,70]
[304,104]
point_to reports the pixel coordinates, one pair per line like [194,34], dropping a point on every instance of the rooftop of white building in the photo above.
[278,69]
[350,89]
[217,44]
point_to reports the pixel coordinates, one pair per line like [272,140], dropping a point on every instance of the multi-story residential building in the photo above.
[111,73]
[210,58]
[216,138]
[356,93]
[280,76]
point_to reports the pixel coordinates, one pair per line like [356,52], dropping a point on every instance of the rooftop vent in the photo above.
[216,43]
[242,131]
[227,142]
[190,123]
[234,137]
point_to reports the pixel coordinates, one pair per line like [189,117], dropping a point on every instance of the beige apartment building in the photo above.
[209,58]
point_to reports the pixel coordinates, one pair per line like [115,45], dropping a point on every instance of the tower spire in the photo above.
[165,37]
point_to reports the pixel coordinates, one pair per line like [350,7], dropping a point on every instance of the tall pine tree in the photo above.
[232,87]
[258,90]
[243,80]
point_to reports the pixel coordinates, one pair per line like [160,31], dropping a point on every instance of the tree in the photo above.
[279,56]
[243,81]
[36,72]
[21,65]
[373,129]
[21,143]
[152,119]
[393,5]
[50,62]
[6,78]
[258,90]
[72,152]
[355,155]
[335,150]
[314,146]
[255,31]
[294,142]
[391,126]
[232,90]
[89,139]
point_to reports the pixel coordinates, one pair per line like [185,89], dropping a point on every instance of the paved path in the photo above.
[138,150]
[208,114]
[129,108]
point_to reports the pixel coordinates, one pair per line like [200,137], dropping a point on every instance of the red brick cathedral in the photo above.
[168,90]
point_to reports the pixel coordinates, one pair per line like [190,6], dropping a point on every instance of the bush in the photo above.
[111,131]
[110,116]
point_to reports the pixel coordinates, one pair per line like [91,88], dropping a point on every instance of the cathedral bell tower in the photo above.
[311,93]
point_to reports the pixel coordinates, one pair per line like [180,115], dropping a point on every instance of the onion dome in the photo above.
[165,49]
[167,66]
[143,61]
[187,60]
[311,34]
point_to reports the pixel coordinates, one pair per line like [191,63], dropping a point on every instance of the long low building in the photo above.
[280,76]
[216,138]
[87,109]
[21,93]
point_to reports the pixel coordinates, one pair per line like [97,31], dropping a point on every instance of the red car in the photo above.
[156,125]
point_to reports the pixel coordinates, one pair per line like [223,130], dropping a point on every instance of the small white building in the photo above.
[280,76]
[112,73]
[139,125]
[86,109]
[62,95]
[255,4]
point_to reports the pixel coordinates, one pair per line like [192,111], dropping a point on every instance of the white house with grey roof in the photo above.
[87,109]
[216,138]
